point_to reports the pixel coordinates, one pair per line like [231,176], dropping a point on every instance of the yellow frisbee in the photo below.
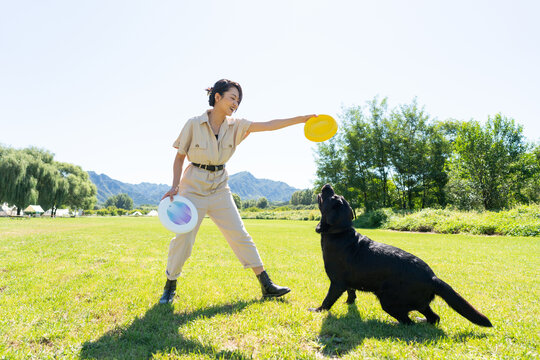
[320,128]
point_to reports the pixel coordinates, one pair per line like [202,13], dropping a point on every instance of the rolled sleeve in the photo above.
[241,130]
[183,142]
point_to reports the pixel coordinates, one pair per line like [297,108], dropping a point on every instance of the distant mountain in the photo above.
[143,193]
[248,186]
[244,184]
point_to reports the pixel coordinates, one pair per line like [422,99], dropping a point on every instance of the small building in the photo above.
[152,213]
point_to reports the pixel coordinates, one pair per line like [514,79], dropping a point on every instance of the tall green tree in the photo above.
[12,170]
[409,151]
[17,181]
[262,203]
[81,191]
[120,201]
[525,185]
[329,161]
[358,149]
[381,146]
[302,197]
[237,200]
[487,157]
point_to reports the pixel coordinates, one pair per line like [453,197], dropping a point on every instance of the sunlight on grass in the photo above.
[87,288]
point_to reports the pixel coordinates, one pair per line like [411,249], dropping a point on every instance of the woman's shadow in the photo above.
[158,332]
[340,335]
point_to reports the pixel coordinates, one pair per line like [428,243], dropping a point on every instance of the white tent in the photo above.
[34,209]
[6,210]
[152,213]
[59,213]
[136,213]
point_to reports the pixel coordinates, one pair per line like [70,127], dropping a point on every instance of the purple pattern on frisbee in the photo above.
[179,213]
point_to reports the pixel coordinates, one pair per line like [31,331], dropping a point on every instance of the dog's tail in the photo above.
[459,304]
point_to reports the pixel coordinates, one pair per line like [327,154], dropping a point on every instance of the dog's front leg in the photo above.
[335,291]
[351,296]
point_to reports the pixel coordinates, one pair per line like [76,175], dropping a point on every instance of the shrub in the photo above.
[372,219]
[102,212]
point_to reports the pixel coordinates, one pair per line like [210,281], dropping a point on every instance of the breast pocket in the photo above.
[198,152]
[227,148]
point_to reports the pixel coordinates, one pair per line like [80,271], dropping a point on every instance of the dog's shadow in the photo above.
[340,335]
[158,331]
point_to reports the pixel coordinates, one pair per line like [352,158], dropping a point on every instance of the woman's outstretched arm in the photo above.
[277,124]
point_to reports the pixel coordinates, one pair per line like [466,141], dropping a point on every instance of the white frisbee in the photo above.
[179,215]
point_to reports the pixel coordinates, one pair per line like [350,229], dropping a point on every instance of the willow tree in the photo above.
[17,183]
[81,192]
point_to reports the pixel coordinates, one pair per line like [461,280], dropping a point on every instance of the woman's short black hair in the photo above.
[221,87]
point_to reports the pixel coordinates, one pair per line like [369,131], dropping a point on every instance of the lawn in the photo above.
[87,288]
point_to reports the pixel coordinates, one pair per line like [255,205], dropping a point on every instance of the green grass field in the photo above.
[87,288]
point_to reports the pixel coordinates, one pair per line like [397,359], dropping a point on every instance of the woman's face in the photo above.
[229,102]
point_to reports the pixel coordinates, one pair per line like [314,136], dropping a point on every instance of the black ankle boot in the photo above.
[168,292]
[269,289]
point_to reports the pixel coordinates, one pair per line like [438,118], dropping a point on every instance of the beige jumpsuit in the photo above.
[209,190]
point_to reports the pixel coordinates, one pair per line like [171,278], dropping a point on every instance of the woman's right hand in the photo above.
[173,191]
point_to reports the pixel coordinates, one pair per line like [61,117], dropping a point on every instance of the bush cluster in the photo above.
[254,213]
[523,220]
[114,211]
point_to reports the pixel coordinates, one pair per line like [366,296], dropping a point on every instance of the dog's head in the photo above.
[336,213]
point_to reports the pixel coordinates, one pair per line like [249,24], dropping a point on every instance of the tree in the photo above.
[408,151]
[302,197]
[525,184]
[17,183]
[12,171]
[488,158]
[380,141]
[262,203]
[120,201]
[328,158]
[237,200]
[124,201]
[81,191]
[433,172]
[358,163]
[249,203]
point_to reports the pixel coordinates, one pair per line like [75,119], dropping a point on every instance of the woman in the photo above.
[208,141]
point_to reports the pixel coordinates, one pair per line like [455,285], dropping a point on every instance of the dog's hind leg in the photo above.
[431,317]
[399,313]
[351,296]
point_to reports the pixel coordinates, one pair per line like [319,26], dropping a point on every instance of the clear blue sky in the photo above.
[108,84]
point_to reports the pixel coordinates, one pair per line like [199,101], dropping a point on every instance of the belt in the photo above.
[209,167]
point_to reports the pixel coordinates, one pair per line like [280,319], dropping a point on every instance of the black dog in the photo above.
[401,281]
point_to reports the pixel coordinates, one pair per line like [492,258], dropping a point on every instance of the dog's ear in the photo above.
[353,215]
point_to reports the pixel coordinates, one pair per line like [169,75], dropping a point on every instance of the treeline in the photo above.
[401,158]
[31,176]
